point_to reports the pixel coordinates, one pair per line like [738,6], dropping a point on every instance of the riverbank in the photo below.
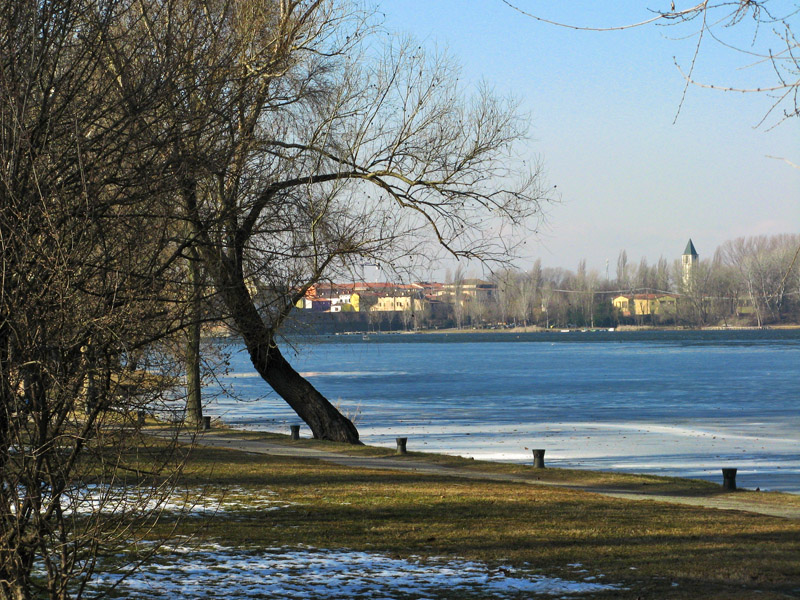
[618,485]
[223,331]
[460,530]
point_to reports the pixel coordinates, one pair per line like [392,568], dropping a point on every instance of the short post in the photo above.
[401,444]
[140,417]
[206,423]
[295,429]
[538,459]
[729,480]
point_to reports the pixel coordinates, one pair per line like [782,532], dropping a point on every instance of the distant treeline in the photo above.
[747,281]
[752,281]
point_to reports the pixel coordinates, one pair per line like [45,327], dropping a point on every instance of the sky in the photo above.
[603,105]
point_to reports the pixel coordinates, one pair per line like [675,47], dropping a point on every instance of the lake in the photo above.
[668,403]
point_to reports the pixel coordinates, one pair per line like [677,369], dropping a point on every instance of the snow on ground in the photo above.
[305,572]
[196,501]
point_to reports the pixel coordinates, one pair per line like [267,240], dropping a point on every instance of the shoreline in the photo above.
[620,328]
[221,331]
[759,473]
[664,488]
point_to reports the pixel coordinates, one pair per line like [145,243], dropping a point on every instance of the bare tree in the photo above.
[661,278]
[505,283]
[88,286]
[457,296]
[767,270]
[695,302]
[623,271]
[305,146]
[192,354]
[761,32]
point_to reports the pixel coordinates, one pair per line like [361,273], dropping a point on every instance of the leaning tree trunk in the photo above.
[325,421]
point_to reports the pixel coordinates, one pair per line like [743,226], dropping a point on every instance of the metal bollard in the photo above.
[295,429]
[401,445]
[538,459]
[729,479]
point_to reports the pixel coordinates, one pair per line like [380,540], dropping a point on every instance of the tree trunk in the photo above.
[194,399]
[325,421]
[194,403]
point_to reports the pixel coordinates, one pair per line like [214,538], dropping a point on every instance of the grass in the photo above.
[648,547]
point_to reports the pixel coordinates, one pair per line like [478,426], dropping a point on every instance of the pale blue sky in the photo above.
[602,107]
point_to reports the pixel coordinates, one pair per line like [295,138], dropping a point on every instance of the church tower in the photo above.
[689,262]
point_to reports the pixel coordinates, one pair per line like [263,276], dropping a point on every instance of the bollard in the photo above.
[140,417]
[729,479]
[538,459]
[295,429]
[206,423]
[401,445]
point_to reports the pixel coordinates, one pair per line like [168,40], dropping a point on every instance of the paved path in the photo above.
[415,465]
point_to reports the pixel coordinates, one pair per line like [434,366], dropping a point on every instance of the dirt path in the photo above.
[415,465]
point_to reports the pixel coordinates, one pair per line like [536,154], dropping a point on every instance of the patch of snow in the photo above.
[218,571]
[197,501]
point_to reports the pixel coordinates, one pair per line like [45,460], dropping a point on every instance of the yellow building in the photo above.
[470,288]
[646,304]
[396,303]
[622,304]
[346,303]
[355,302]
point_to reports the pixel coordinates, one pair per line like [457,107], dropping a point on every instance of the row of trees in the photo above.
[747,281]
[753,280]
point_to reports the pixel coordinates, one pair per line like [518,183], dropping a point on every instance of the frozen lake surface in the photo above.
[668,403]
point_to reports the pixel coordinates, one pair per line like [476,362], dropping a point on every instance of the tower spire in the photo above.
[689,262]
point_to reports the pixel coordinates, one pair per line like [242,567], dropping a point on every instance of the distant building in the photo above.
[646,304]
[689,265]
[470,289]
[317,304]
[397,303]
[623,304]
[346,303]
[366,297]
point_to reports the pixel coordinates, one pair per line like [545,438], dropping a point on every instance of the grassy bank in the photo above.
[651,549]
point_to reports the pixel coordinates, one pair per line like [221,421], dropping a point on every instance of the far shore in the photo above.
[222,331]
[537,329]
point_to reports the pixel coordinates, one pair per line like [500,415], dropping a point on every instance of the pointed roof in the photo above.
[690,251]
